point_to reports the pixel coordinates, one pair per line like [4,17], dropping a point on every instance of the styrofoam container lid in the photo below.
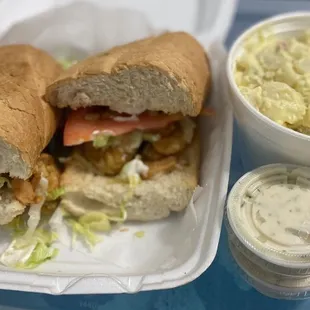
[272,285]
[173,251]
[268,210]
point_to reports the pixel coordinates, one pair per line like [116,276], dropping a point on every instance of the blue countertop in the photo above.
[221,286]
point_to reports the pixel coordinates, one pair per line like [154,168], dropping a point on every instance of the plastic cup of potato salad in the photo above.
[268,223]
[268,72]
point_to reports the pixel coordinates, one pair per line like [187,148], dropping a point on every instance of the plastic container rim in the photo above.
[231,80]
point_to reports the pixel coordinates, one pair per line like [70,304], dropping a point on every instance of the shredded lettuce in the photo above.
[96,221]
[40,254]
[101,140]
[66,63]
[131,141]
[123,214]
[4,180]
[29,252]
[56,193]
[18,226]
[134,180]
[139,234]
[82,231]
[56,221]
[59,227]
[39,236]
[31,245]
[35,209]
[150,137]
[86,226]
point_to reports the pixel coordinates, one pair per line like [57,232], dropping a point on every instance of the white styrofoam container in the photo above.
[176,250]
[265,141]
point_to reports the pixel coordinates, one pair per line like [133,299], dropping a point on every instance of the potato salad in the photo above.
[273,74]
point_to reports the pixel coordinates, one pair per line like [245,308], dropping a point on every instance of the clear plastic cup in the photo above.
[275,261]
[258,228]
[271,285]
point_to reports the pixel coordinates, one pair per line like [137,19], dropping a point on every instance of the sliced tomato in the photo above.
[81,125]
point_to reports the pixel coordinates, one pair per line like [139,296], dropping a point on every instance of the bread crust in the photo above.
[171,67]
[152,200]
[27,122]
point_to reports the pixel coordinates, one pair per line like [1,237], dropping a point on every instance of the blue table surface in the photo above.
[221,286]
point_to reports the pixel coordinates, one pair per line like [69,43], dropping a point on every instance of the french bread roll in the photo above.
[27,122]
[153,199]
[168,73]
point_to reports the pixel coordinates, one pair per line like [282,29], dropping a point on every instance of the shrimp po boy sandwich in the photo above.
[131,125]
[27,123]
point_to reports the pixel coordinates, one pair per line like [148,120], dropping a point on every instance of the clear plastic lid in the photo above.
[269,211]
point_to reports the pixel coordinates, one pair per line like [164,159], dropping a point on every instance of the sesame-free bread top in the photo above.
[168,73]
[27,122]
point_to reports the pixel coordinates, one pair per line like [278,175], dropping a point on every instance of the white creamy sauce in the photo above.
[134,168]
[281,215]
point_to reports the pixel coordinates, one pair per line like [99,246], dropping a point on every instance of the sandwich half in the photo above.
[131,126]
[27,123]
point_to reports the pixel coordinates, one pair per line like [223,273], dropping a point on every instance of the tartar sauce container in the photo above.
[268,223]
[265,141]
[271,285]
